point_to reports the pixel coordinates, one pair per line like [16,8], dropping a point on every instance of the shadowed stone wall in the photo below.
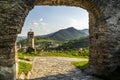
[12,14]
[104,17]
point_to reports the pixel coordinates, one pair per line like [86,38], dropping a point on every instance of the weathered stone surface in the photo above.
[104,31]
[57,68]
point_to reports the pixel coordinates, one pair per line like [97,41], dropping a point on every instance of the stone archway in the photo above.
[104,32]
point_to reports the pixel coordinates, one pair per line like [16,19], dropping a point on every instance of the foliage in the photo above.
[43,44]
[42,40]
[22,42]
[84,52]
[40,43]
[81,64]
[24,67]
[75,44]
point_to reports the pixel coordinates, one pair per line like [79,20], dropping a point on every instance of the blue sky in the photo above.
[47,19]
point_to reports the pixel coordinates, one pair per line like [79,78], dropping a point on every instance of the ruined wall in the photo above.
[112,18]
[12,16]
[104,56]
[104,32]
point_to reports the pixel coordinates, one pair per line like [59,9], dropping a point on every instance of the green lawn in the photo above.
[80,64]
[25,56]
[24,67]
[72,54]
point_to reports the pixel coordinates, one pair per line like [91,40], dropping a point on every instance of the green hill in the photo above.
[75,44]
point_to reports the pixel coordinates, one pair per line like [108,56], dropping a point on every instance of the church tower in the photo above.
[30,37]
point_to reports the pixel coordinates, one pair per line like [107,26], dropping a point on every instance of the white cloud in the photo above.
[41,19]
[78,24]
[74,22]
[37,23]
[39,27]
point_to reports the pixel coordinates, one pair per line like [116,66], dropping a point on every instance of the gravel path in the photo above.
[57,68]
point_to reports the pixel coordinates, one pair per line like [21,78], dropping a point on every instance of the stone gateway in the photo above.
[104,24]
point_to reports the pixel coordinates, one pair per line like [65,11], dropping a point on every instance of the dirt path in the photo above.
[57,68]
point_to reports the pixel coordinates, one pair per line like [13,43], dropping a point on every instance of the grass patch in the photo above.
[80,64]
[21,56]
[24,67]
[72,54]
[25,56]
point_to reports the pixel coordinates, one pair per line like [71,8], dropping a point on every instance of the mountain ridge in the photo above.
[67,34]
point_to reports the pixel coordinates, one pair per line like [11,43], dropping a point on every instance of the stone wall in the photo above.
[12,15]
[104,32]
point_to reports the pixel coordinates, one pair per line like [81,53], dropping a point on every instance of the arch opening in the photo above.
[70,22]
[103,24]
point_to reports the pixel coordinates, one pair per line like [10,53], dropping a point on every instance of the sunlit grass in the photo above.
[80,64]
[25,56]
[72,54]
[24,67]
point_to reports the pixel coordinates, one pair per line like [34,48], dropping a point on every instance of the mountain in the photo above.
[67,34]
[86,31]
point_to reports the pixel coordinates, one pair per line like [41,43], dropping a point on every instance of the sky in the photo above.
[43,20]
